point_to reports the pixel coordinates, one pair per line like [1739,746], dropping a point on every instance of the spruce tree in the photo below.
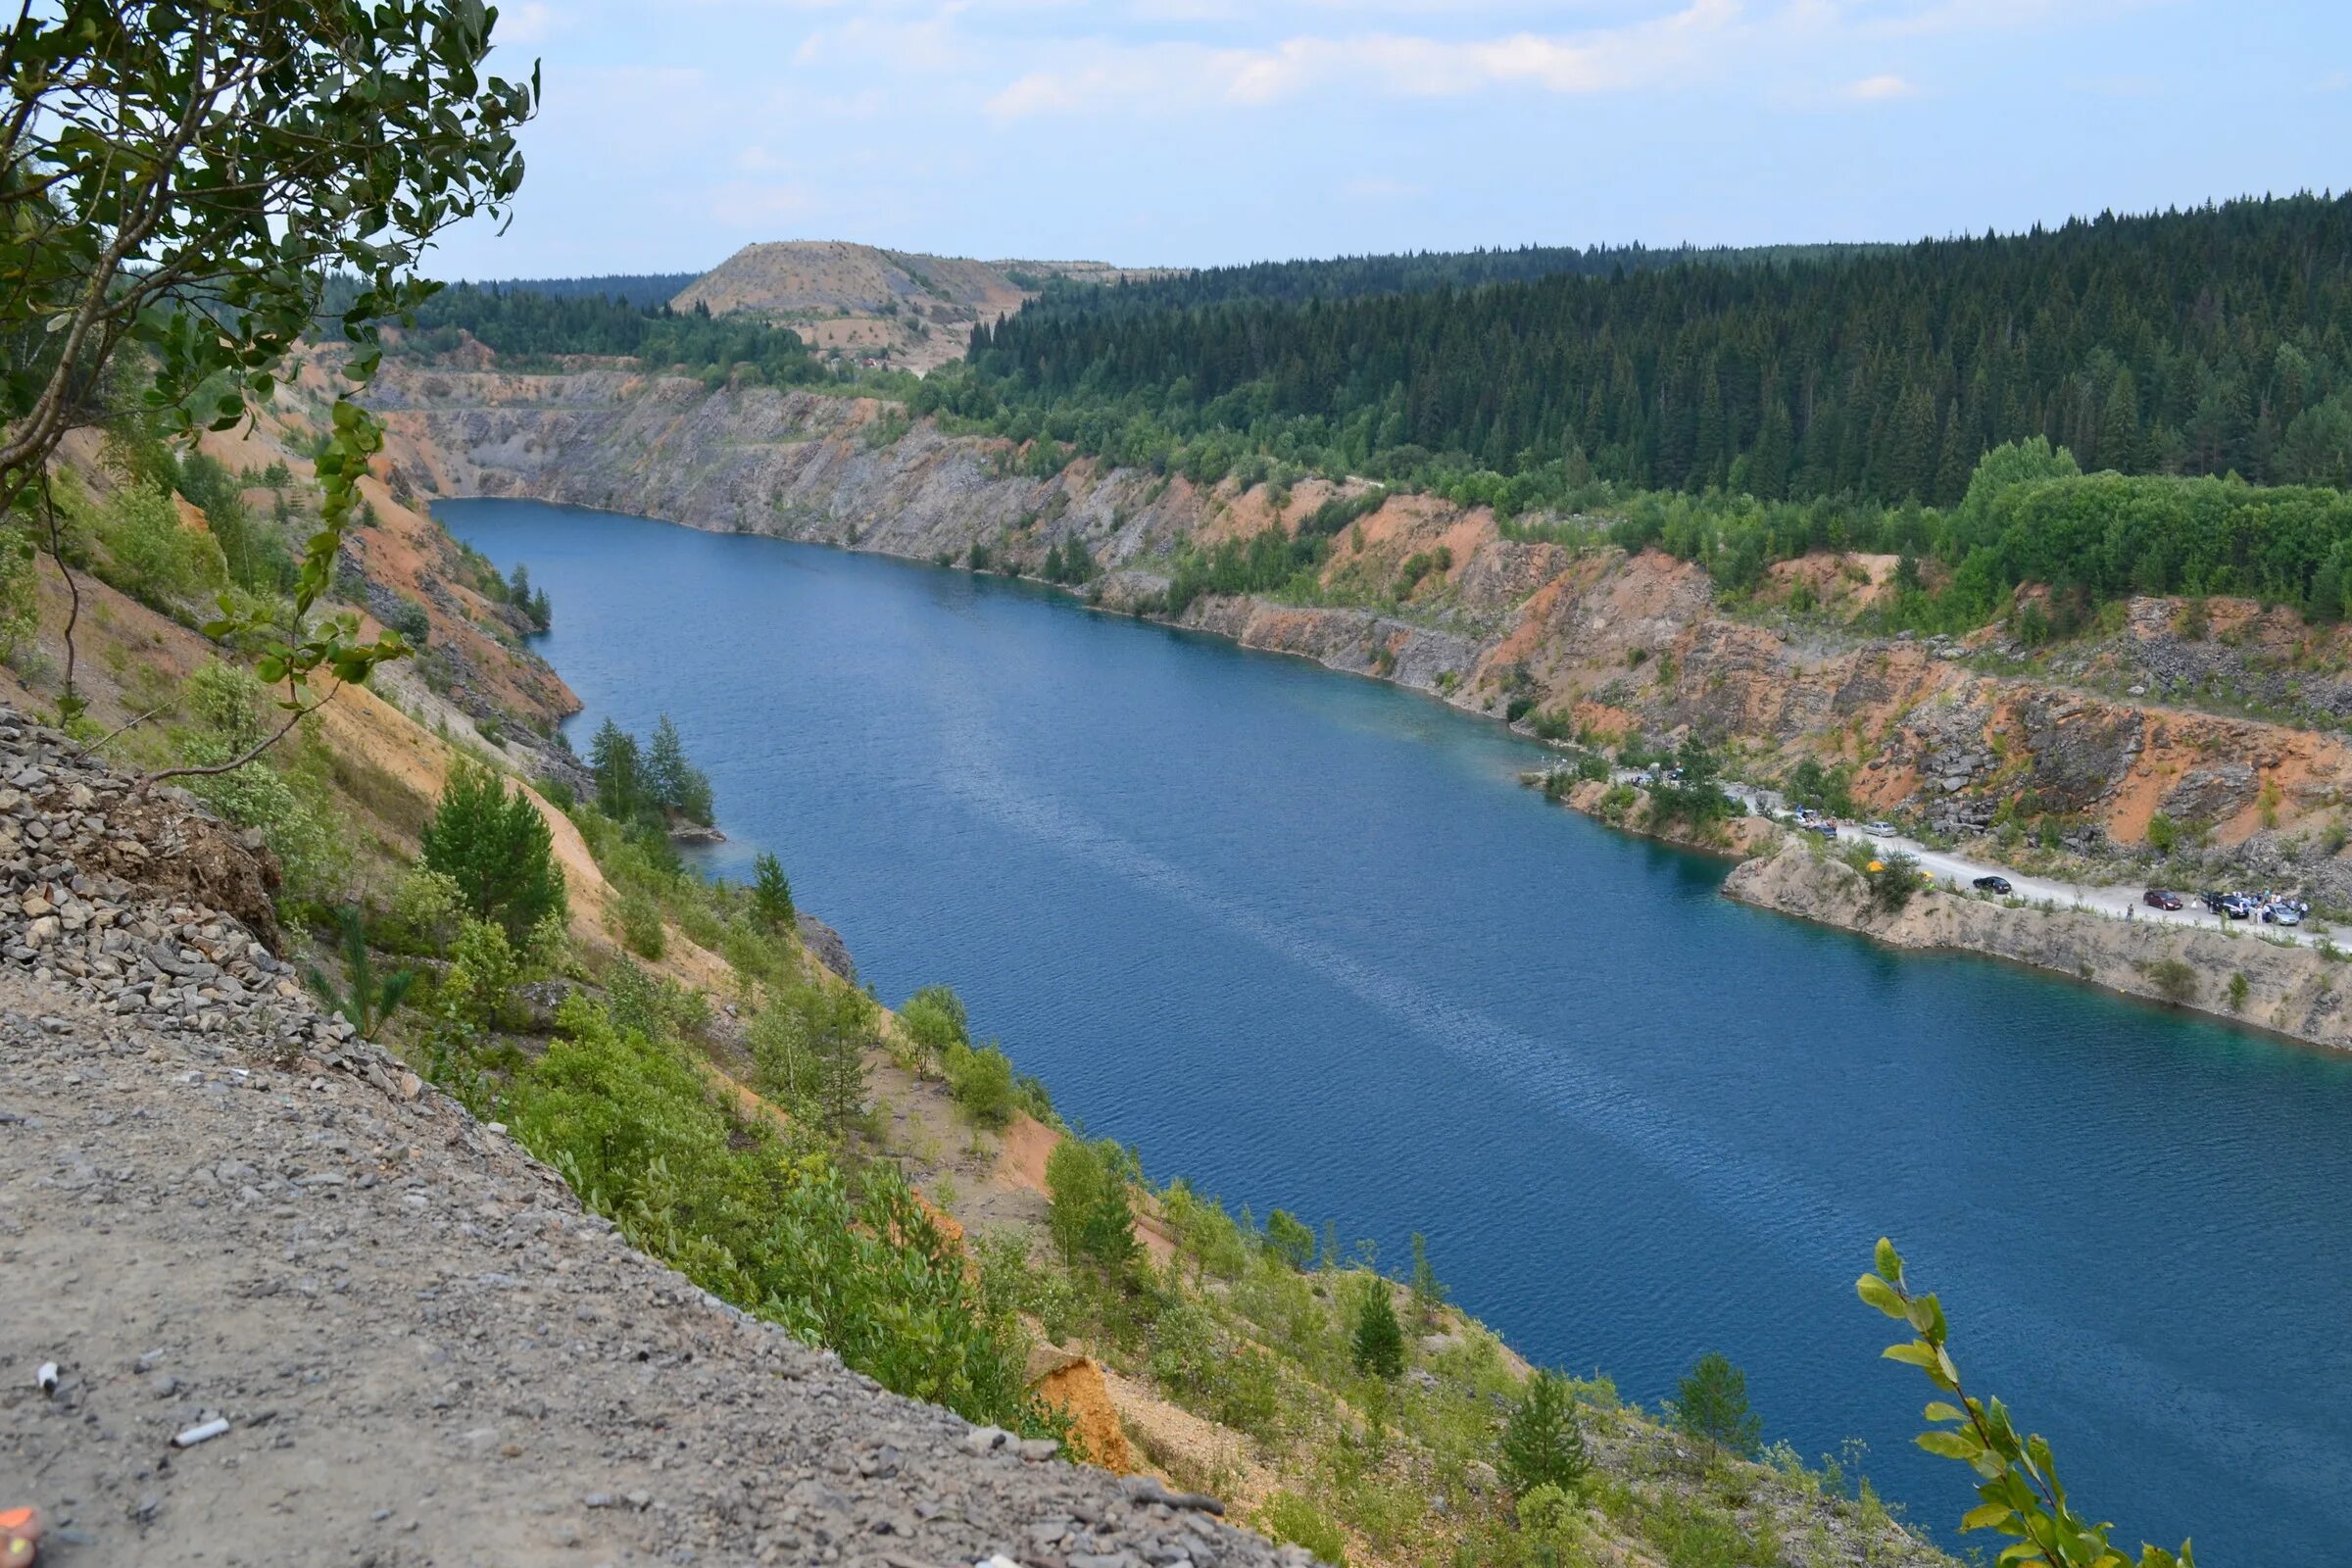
[1379,1347]
[771,893]
[675,783]
[497,849]
[1711,1406]
[1544,1441]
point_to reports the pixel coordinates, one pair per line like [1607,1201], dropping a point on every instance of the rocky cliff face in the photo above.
[1440,598]
[2293,990]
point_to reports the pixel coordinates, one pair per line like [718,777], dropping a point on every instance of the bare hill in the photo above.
[898,308]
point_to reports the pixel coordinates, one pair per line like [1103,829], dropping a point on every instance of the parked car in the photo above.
[1996,884]
[2159,898]
[2236,906]
[2282,912]
[1823,827]
[1878,827]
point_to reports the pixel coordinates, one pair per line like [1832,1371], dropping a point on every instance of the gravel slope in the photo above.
[426,1352]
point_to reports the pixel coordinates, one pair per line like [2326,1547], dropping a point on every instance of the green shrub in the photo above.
[1290,1238]
[411,619]
[1292,1519]
[426,910]
[980,1078]
[1895,880]
[1090,1216]
[285,795]
[807,1041]
[624,1113]
[480,987]
[642,929]
[933,1019]
[150,556]
[2174,981]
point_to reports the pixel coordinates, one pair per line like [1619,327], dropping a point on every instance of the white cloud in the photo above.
[1981,16]
[532,22]
[1878,89]
[1396,65]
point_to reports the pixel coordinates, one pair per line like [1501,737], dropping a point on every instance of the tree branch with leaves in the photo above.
[180,178]
[2021,1494]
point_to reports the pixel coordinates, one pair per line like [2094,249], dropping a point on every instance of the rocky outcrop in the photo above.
[825,946]
[403,1338]
[1507,625]
[2296,991]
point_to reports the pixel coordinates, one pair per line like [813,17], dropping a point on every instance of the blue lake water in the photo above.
[1303,940]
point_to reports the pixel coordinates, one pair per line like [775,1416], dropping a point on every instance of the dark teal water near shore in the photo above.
[1303,940]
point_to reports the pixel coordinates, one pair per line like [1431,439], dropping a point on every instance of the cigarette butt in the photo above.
[46,1377]
[201,1434]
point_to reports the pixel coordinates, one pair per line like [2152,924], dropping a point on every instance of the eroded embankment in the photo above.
[1492,624]
[2291,990]
[217,1204]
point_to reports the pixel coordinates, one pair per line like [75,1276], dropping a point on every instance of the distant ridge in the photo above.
[862,302]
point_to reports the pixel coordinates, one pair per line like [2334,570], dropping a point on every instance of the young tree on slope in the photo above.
[676,783]
[771,893]
[1711,1405]
[179,181]
[1378,1349]
[1544,1439]
[496,847]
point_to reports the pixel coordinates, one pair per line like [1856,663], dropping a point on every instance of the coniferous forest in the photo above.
[2212,341]
[1351,277]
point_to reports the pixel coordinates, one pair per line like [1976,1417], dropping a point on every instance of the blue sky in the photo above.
[1198,131]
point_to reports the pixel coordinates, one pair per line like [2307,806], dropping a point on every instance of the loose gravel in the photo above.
[216,1206]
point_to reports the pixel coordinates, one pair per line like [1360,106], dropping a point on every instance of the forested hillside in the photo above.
[526,323]
[2211,341]
[1353,276]
[630,288]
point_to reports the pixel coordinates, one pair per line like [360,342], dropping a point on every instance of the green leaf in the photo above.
[1878,1294]
[1963,1445]
[1986,1516]
[1889,1261]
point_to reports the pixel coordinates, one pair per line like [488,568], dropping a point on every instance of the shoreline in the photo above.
[2110,954]
[2289,991]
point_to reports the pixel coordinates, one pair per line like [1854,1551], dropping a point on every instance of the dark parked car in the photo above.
[2236,906]
[2159,898]
[1996,884]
